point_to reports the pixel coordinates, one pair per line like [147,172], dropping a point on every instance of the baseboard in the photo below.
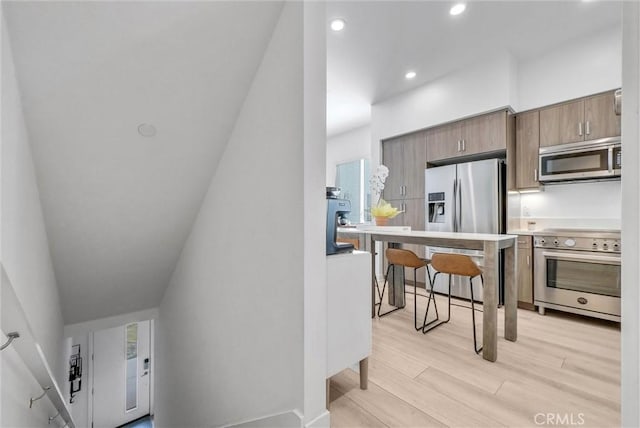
[322,421]
[289,419]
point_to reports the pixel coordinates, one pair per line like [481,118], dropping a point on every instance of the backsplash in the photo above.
[577,205]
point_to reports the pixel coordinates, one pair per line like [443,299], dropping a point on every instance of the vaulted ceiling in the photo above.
[118,206]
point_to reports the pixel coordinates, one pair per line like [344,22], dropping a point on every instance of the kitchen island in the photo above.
[490,244]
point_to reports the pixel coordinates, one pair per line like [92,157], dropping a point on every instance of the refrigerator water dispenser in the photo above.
[436,207]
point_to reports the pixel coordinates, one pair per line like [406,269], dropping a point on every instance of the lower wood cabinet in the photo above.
[525,272]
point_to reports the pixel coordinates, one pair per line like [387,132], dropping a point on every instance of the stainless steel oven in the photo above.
[599,159]
[578,272]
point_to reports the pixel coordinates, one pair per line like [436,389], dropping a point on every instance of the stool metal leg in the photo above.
[386,278]
[428,326]
[473,318]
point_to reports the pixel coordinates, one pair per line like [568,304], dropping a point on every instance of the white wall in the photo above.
[230,330]
[630,351]
[25,253]
[315,414]
[586,66]
[594,205]
[347,147]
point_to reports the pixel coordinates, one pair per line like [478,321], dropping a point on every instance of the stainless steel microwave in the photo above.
[597,159]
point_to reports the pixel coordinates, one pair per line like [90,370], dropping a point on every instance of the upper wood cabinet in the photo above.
[484,134]
[600,118]
[481,134]
[444,142]
[580,120]
[392,157]
[527,148]
[406,158]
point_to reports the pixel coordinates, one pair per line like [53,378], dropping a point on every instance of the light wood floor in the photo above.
[562,365]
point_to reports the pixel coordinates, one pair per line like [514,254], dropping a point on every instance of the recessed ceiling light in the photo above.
[410,75]
[457,9]
[338,24]
[146,130]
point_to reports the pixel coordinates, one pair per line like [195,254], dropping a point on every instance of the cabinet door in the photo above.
[562,124]
[442,142]
[600,118]
[527,146]
[392,158]
[525,270]
[415,160]
[487,133]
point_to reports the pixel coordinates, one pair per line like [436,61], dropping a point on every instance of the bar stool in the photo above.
[406,259]
[454,264]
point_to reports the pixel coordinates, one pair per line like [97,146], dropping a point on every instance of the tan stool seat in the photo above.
[407,258]
[455,264]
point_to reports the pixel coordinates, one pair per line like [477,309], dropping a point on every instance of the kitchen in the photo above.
[511,89]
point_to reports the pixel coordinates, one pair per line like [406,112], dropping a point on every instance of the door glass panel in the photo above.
[353,178]
[597,278]
[132,366]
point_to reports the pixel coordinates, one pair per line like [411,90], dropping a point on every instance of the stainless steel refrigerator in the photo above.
[466,197]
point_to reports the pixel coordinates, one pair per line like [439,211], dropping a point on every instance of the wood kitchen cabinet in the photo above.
[481,134]
[525,272]
[484,134]
[406,158]
[527,148]
[392,158]
[579,120]
[444,142]
[600,118]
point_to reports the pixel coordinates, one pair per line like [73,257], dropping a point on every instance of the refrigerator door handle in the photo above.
[459,205]
[454,211]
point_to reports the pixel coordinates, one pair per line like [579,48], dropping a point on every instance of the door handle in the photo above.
[454,220]
[144,374]
[459,205]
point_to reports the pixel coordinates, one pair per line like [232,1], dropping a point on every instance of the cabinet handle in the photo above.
[464,149]
[458,145]
[580,128]
[587,128]
[535,174]
[528,260]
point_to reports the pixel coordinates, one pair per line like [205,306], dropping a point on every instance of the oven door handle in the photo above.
[582,257]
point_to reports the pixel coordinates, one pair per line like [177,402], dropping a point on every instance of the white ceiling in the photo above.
[366,62]
[118,206]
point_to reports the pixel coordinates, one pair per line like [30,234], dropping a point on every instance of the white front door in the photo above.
[121,372]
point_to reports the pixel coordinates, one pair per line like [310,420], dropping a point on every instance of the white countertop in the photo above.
[438,235]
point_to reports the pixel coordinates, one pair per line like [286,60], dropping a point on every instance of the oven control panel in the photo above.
[598,244]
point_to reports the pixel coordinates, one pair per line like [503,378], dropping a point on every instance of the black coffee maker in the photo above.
[337,209]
